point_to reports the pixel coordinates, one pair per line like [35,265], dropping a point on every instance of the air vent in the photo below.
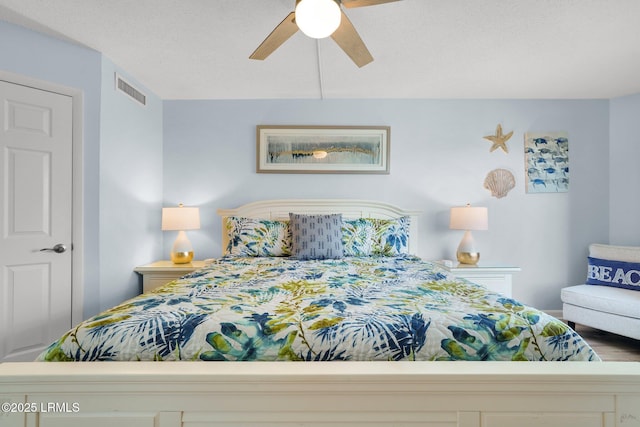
[125,87]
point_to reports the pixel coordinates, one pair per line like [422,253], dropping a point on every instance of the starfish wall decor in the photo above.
[499,140]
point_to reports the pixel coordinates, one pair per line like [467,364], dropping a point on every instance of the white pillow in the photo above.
[615,253]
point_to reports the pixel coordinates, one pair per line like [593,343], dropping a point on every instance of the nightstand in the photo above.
[160,272]
[494,278]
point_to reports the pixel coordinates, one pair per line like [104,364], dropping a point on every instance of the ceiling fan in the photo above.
[345,35]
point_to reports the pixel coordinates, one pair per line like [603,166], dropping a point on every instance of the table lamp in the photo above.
[468,218]
[180,219]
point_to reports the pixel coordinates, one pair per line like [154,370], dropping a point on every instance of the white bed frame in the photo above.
[320,394]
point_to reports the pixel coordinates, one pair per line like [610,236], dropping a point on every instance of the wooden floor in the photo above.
[610,347]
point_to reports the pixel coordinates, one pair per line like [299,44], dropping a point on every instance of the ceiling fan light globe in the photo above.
[318,18]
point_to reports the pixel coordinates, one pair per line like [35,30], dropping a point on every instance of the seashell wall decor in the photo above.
[499,182]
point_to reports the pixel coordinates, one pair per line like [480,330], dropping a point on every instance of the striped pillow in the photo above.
[316,236]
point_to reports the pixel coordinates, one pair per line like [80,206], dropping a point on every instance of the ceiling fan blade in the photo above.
[349,40]
[361,3]
[279,35]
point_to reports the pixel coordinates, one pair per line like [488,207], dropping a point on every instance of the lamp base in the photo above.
[182,251]
[181,257]
[467,253]
[471,258]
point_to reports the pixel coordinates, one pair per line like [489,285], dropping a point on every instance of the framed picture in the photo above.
[323,149]
[547,162]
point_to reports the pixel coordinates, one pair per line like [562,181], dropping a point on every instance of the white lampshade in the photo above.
[180,218]
[318,18]
[469,218]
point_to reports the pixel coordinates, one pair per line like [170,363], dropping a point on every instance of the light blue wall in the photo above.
[624,164]
[130,186]
[438,160]
[32,54]
[122,149]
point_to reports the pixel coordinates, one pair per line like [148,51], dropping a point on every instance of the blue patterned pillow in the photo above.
[257,237]
[391,236]
[357,237]
[316,236]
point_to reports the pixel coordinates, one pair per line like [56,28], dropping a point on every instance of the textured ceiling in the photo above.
[198,49]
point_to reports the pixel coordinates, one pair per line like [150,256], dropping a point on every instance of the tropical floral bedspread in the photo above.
[358,308]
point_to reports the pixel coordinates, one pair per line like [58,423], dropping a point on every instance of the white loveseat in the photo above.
[604,306]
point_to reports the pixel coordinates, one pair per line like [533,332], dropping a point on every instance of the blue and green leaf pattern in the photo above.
[357,237]
[357,308]
[391,236]
[257,237]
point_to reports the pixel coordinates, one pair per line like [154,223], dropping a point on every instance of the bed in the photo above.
[271,298]
[351,316]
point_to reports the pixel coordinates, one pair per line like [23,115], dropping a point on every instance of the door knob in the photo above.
[59,248]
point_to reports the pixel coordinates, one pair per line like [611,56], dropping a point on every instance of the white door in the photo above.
[35,216]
